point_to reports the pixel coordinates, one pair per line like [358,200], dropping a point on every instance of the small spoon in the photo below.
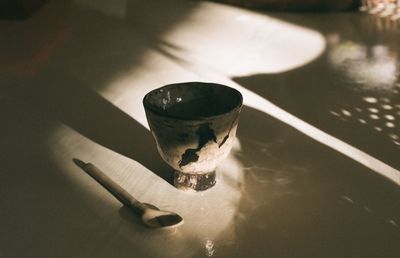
[151,216]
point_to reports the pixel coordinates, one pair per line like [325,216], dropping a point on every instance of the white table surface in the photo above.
[306,177]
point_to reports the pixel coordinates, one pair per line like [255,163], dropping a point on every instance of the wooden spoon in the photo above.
[151,216]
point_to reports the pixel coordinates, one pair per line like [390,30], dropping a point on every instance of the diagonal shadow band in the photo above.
[69,101]
[301,93]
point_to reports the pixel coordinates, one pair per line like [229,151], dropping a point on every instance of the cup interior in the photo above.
[193,100]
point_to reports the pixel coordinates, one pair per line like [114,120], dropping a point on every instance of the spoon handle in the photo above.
[117,191]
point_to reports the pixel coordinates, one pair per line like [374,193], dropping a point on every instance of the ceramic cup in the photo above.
[194,126]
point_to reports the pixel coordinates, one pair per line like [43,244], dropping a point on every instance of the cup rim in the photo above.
[150,107]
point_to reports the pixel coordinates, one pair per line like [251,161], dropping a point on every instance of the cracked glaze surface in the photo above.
[194,124]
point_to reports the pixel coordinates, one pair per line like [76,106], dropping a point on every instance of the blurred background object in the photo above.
[387,10]
[18,9]
[296,5]
[29,44]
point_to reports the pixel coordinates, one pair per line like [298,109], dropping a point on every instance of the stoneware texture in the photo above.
[194,125]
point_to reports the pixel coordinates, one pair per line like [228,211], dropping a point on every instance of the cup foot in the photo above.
[197,182]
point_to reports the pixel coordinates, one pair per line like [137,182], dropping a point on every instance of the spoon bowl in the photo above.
[155,218]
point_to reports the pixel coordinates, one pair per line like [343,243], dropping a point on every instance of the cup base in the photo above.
[196,182]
